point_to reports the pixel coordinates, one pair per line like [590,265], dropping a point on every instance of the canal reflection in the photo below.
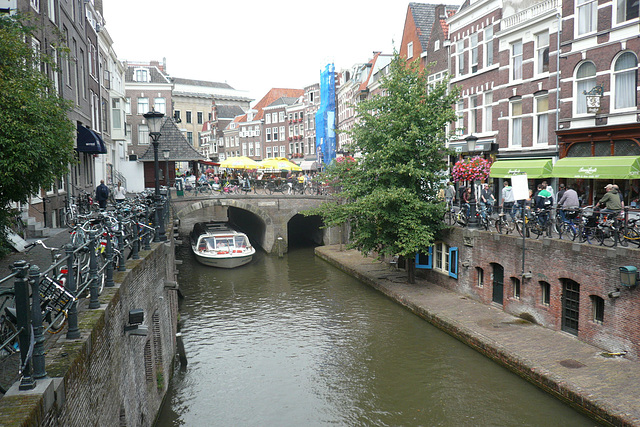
[296,342]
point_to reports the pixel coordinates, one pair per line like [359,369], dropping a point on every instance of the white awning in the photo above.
[309,165]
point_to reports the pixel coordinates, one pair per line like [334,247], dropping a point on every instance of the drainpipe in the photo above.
[559,16]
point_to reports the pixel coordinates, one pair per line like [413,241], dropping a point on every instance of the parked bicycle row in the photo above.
[99,243]
[584,225]
[255,186]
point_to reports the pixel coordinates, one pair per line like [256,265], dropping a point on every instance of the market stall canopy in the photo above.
[241,162]
[534,168]
[278,163]
[90,142]
[309,165]
[612,167]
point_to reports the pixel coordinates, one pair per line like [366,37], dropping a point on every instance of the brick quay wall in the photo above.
[550,266]
[109,377]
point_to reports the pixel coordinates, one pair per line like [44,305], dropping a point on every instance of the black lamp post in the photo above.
[165,153]
[471,148]
[154,120]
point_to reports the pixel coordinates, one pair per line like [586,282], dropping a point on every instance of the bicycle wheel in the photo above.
[8,327]
[605,236]
[568,232]
[500,226]
[630,236]
[449,218]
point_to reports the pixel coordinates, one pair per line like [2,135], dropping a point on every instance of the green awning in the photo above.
[613,167]
[534,168]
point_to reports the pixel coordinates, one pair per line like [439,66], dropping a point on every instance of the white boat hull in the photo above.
[222,262]
[216,245]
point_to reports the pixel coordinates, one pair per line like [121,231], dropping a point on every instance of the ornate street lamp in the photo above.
[154,120]
[166,153]
[471,148]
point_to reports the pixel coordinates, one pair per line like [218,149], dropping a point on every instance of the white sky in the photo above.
[254,45]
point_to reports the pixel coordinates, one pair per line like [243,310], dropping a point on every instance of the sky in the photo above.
[254,45]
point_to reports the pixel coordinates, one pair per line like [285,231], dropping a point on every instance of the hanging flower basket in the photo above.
[471,169]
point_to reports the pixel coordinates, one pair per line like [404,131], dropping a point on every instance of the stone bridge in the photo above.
[272,222]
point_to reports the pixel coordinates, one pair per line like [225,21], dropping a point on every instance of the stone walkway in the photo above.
[606,388]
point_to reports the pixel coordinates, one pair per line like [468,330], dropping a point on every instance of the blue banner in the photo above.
[326,116]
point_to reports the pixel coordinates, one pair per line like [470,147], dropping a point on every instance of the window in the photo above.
[275,151]
[625,72]
[142,75]
[488,45]
[585,81]
[281,116]
[460,56]
[275,133]
[35,4]
[176,116]
[516,60]
[598,309]
[473,113]
[190,138]
[127,105]
[200,117]
[474,52]
[143,134]
[542,120]
[52,10]
[460,120]
[626,10]
[160,105]
[545,293]
[188,116]
[116,113]
[268,151]
[516,123]
[516,287]
[409,50]
[440,257]
[542,52]
[274,117]
[282,133]
[480,277]
[268,134]
[587,13]
[143,105]
[436,45]
[488,111]
[267,119]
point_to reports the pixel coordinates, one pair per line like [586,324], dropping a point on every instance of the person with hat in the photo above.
[610,201]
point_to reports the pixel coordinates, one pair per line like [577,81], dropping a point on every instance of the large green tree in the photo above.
[36,136]
[388,194]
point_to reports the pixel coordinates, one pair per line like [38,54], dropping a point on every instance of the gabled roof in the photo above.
[443,22]
[424,17]
[155,75]
[285,100]
[270,97]
[228,111]
[171,138]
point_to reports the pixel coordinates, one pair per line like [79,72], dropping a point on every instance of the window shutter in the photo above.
[453,262]
[425,261]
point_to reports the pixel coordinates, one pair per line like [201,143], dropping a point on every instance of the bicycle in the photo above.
[277,187]
[503,225]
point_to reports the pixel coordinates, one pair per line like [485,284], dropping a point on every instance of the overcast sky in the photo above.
[254,45]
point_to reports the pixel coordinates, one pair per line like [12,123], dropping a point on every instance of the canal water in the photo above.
[294,341]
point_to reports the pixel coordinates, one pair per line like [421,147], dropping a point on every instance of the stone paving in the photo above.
[606,388]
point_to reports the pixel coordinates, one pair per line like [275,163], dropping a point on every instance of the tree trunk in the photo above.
[411,270]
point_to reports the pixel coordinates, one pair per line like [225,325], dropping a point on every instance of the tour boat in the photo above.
[217,245]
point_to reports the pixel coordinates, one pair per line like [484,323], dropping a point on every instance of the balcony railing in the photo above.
[529,13]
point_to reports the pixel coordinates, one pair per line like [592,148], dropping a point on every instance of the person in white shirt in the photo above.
[119,193]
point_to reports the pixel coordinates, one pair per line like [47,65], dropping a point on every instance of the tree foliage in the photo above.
[36,136]
[388,195]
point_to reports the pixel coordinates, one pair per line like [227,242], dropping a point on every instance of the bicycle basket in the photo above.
[54,294]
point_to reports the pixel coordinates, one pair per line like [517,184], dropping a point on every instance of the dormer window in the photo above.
[142,75]
[410,50]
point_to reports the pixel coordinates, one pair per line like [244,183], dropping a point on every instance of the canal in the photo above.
[295,342]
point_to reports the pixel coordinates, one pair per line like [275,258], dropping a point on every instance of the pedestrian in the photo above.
[450,193]
[487,200]
[507,198]
[568,201]
[102,194]
[119,193]
[610,201]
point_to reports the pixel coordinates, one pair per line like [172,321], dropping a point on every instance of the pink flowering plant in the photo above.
[471,169]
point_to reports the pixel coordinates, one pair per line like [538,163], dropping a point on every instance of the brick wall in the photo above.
[107,377]
[594,268]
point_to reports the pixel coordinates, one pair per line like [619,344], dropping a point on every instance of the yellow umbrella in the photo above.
[242,162]
[278,163]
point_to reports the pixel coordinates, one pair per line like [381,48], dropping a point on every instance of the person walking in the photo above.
[568,201]
[450,194]
[507,198]
[119,193]
[102,194]
[486,200]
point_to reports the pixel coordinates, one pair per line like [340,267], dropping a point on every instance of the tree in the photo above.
[388,193]
[36,136]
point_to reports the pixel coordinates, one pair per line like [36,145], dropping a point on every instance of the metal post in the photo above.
[121,260]
[38,331]
[146,237]
[473,221]
[93,272]
[23,315]
[136,240]
[73,332]
[109,281]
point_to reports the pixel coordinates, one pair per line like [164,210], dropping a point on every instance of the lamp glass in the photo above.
[471,143]
[166,153]
[154,120]
[628,275]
